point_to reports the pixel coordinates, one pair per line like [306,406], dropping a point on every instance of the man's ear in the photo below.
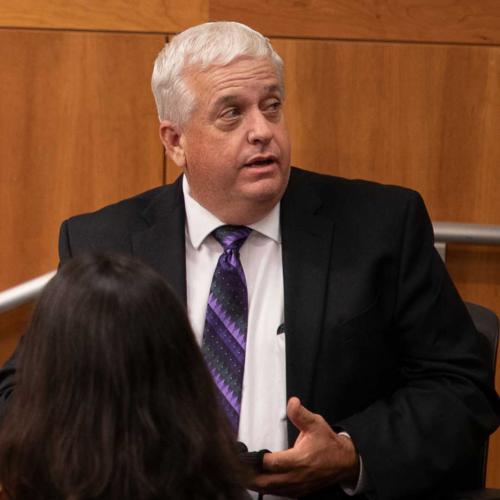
[171,136]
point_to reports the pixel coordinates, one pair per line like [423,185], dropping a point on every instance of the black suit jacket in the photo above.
[377,339]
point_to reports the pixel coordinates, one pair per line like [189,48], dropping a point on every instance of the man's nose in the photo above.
[259,130]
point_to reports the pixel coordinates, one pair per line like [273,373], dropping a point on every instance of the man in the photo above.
[348,312]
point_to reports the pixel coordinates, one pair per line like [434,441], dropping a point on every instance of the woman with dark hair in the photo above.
[113,400]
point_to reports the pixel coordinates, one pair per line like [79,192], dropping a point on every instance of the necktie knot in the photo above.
[231,237]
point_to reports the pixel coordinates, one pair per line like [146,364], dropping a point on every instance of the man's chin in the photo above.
[264,184]
[264,191]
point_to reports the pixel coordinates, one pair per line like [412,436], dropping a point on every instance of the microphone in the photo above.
[253,459]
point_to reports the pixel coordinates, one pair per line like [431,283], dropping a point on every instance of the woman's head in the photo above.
[110,327]
[120,402]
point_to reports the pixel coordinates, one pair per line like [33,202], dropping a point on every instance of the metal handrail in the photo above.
[444,232]
[473,234]
[20,294]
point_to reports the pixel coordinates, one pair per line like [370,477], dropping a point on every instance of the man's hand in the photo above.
[319,458]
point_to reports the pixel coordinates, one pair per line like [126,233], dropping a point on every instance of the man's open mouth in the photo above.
[260,162]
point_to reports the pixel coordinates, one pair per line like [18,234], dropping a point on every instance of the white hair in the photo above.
[205,45]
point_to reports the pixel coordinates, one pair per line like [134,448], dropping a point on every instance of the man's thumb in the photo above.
[299,415]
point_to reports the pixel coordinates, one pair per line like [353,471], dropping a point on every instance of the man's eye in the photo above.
[230,114]
[273,106]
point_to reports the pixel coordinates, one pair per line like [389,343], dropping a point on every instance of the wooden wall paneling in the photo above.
[78,130]
[13,324]
[424,116]
[116,15]
[172,171]
[460,21]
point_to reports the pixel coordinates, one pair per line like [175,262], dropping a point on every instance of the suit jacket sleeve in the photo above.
[422,433]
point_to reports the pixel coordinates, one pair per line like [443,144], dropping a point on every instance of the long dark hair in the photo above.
[113,399]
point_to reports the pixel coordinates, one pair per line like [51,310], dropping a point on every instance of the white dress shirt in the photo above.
[263,407]
[263,421]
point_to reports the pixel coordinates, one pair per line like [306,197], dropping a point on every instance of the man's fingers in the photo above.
[286,484]
[299,415]
[272,483]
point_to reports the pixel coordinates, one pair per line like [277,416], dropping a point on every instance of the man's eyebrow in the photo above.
[224,100]
[270,89]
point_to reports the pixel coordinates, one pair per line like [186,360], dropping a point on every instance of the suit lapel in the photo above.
[307,239]
[162,244]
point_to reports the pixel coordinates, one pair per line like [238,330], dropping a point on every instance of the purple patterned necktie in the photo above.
[225,332]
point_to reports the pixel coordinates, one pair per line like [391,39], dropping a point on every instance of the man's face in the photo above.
[235,148]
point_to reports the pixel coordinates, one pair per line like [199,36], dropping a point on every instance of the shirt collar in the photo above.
[200,222]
